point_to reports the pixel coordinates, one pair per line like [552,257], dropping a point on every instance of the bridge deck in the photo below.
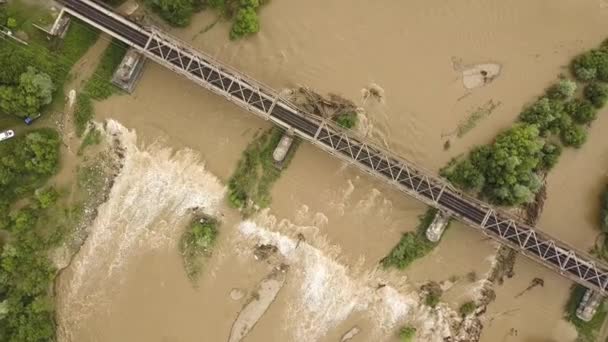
[403,175]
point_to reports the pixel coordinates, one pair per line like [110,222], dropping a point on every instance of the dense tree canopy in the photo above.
[582,111]
[505,170]
[25,271]
[544,113]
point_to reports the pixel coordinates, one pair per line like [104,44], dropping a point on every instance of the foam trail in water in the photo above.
[153,192]
[327,292]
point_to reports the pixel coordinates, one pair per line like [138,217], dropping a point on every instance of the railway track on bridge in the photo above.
[403,175]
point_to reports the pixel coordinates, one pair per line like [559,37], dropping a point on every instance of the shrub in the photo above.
[346,120]
[407,334]
[550,156]
[11,23]
[47,197]
[582,111]
[562,90]
[175,12]
[83,113]
[433,293]
[413,245]
[573,135]
[245,23]
[591,66]
[597,94]
[466,175]
[467,308]
[544,113]
[197,242]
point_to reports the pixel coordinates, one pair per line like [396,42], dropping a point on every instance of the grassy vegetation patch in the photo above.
[347,120]
[467,308]
[249,187]
[197,243]
[79,38]
[587,331]
[93,137]
[100,86]
[83,113]
[413,245]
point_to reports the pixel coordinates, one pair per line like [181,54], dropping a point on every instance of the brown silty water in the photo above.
[411,50]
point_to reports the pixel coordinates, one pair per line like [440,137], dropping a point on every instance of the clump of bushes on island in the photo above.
[197,243]
[250,184]
[413,245]
[509,171]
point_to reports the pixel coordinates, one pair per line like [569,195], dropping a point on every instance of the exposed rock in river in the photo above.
[260,301]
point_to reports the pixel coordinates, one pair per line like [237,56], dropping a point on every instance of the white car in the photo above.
[7,134]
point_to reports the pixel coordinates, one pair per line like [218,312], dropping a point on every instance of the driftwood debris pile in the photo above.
[329,106]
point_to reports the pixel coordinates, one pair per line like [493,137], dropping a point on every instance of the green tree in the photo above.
[466,175]
[40,152]
[582,111]
[591,66]
[562,90]
[596,93]
[36,90]
[574,135]
[544,113]
[47,197]
[509,173]
[550,156]
[604,211]
[175,12]
[245,23]
[346,120]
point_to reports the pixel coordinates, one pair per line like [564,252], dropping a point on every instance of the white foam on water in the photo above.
[150,197]
[326,292]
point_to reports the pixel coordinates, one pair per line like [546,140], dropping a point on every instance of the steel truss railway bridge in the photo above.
[403,175]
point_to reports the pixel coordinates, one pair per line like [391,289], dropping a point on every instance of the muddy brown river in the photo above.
[127,283]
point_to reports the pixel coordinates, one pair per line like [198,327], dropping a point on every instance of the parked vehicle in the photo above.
[4,135]
[29,119]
